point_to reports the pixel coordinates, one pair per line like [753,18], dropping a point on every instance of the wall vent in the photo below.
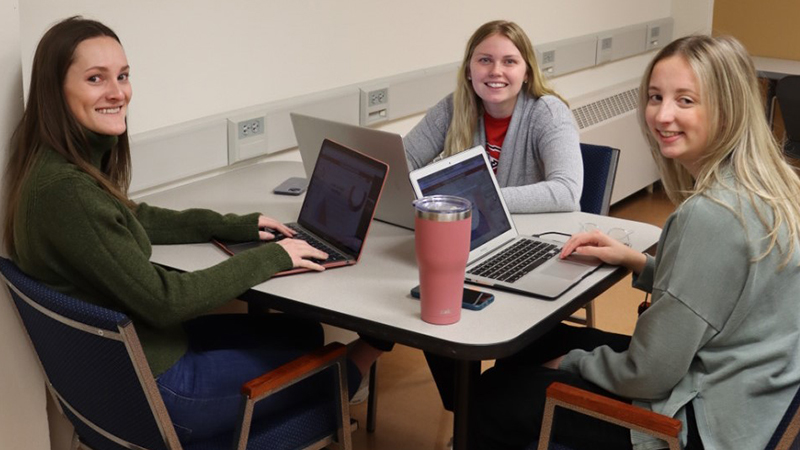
[606,108]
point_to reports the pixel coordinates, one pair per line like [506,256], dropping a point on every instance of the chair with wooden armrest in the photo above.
[785,436]
[95,368]
[607,409]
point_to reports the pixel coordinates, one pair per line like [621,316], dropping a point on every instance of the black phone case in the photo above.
[465,305]
[291,186]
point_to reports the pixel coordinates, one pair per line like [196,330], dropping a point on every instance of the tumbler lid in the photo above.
[443,208]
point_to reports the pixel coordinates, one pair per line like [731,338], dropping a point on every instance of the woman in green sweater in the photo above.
[70,224]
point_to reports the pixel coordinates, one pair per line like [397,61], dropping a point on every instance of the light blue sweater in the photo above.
[722,331]
[540,169]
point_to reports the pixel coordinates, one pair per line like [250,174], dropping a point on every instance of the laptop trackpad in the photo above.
[567,270]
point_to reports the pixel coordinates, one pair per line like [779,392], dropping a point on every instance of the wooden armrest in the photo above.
[294,370]
[613,410]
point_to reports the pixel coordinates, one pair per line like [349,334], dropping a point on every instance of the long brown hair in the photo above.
[467,106]
[48,122]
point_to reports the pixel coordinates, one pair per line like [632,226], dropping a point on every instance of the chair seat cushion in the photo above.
[293,429]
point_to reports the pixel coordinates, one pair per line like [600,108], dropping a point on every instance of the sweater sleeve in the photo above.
[426,140]
[102,250]
[166,226]
[556,147]
[644,280]
[700,274]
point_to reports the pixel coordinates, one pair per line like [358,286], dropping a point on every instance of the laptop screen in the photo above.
[471,179]
[342,195]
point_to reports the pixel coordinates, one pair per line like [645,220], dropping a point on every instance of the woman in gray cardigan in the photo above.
[724,325]
[503,103]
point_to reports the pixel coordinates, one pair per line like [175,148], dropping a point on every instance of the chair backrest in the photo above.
[94,366]
[599,170]
[788,95]
[787,434]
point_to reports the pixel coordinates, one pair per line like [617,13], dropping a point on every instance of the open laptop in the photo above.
[395,206]
[340,202]
[499,257]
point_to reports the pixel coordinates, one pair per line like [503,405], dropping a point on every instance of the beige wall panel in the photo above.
[767,28]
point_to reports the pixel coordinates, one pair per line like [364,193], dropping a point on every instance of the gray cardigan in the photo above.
[722,331]
[540,167]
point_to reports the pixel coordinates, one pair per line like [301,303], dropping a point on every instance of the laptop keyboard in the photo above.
[514,262]
[333,255]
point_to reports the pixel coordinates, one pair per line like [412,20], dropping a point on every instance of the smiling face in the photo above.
[497,71]
[676,114]
[96,87]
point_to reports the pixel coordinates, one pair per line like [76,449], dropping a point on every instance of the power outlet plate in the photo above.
[247,137]
[374,105]
[378,97]
[250,127]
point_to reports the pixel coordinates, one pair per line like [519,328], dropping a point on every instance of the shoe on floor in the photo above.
[362,392]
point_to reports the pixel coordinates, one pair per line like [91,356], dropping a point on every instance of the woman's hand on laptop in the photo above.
[271,225]
[302,253]
[607,249]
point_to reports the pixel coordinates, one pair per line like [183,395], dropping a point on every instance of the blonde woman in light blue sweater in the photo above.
[724,326]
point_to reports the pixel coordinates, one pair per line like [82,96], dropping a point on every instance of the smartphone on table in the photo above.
[471,299]
[291,186]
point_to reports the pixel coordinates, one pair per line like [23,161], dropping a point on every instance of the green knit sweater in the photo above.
[76,238]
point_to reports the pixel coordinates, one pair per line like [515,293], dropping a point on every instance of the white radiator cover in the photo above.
[609,117]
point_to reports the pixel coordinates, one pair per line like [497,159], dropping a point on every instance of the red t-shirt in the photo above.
[495,135]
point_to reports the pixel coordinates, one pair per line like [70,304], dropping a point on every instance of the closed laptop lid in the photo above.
[342,195]
[468,174]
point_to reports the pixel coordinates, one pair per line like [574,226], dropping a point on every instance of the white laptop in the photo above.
[499,257]
[395,206]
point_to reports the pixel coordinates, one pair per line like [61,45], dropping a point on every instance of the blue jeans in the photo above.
[202,389]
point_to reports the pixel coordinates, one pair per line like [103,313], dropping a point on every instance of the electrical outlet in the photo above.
[374,104]
[378,97]
[247,136]
[659,33]
[250,127]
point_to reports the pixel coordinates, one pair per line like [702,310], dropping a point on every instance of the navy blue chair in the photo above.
[787,93]
[599,170]
[785,436]
[97,372]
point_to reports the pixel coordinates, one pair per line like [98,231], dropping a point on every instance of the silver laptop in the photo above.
[499,257]
[343,191]
[395,206]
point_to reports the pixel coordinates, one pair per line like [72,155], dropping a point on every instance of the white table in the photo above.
[372,297]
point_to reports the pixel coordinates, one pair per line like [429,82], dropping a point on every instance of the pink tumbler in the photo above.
[443,224]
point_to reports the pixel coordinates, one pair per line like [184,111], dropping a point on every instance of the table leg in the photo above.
[372,399]
[467,373]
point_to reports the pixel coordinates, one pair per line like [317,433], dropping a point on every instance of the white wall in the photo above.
[198,58]
[23,421]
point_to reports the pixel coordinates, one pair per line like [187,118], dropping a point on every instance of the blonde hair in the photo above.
[467,106]
[739,137]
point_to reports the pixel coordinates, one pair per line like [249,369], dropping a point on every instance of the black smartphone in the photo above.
[471,299]
[291,186]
